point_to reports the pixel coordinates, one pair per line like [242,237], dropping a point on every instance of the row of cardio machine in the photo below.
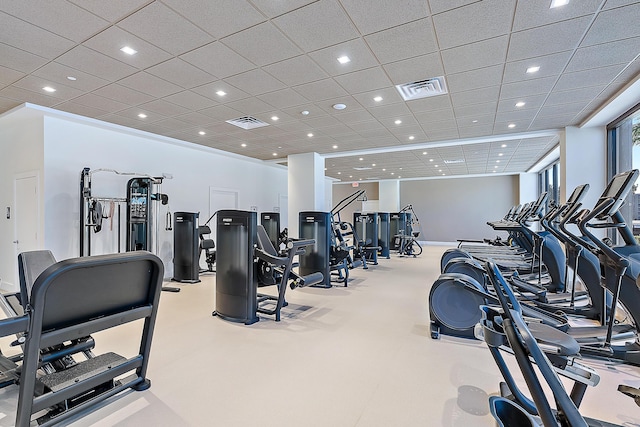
[548,306]
[250,256]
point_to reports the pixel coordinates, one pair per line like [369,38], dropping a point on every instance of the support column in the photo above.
[306,187]
[389,195]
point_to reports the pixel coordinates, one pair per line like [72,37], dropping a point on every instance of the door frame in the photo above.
[40,235]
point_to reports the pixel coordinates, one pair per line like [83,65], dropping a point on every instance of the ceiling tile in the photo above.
[273,9]
[84,59]
[35,84]
[59,17]
[371,17]
[475,111]
[475,55]
[111,40]
[439,6]
[19,60]
[531,102]
[614,24]
[584,94]
[190,100]
[593,77]
[572,108]
[415,69]
[263,44]
[101,103]
[527,88]
[219,19]
[547,39]
[123,94]
[250,106]
[515,116]
[481,77]
[150,84]
[181,73]
[476,96]
[393,111]
[222,113]
[177,36]
[7,75]
[618,52]
[531,14]
[28,37]
[23,95]
[140,121]
[365,80]
[389,96]
[195,118]
[209,90]
[58,73]
[164,108]
[406,41]
[431,103]
[477,21]
[427,117]
[295,71]
[112,10]
[81,110]
[284,98]
[351,117]
[322,89]
[218,59]
[308,25]
[550,65]
[356,50]
[255,82]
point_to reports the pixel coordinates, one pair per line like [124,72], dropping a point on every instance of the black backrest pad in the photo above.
[30,265]
[80,289]
[264,242]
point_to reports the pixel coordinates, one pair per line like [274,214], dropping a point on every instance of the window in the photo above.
[549,181]
[623,154]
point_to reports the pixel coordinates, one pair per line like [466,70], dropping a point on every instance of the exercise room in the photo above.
[319,213]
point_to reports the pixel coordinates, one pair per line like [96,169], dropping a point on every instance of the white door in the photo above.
[219,199]
[26,214]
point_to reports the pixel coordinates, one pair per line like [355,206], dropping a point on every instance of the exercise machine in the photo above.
[271,223]
[384,234]
[367,231]
[247,259]
[186,249]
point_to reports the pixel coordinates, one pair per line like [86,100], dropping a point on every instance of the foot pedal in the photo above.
[632,392]
[81,371]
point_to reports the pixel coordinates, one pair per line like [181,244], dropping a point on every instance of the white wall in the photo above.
[21,152]
[457,208]
[527,188]
[69,146]
[583,160]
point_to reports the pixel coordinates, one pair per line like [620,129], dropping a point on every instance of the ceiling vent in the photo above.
[422,88]
[247,122]
[452,162]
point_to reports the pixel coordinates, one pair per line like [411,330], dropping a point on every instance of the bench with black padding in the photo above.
[73,299]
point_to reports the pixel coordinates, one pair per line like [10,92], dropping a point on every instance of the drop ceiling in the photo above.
[280,58]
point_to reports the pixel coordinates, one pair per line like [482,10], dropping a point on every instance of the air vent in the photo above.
[362,168]
[422,88]
[247,122]
[452,162]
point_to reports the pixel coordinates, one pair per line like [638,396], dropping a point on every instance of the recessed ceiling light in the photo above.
[435,166]
[520,104]
[361,159]
[304,113]
[373,164]
[495,167]
[377,98]
[474,121]
[344,59]
[532,70]
[279,148]
[424,153]
[309,135]
[48,89]
[439,170]
[500,154]
[558,3]
[504,146]
[243,145]
[443,174]
[128,50]
[221,93]
[73,79]
[431,160]
[275,118]
[511,125]
[497,161]
[398,121]
[202,132]
[339,173]
[339,106]
[350,176]
[412,137]
[275,154]
[142,115]
[325,168]
[400,168]
[392,173]
[384,170]
[335,146]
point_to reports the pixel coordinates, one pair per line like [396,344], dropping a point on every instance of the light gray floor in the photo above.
[343,357]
